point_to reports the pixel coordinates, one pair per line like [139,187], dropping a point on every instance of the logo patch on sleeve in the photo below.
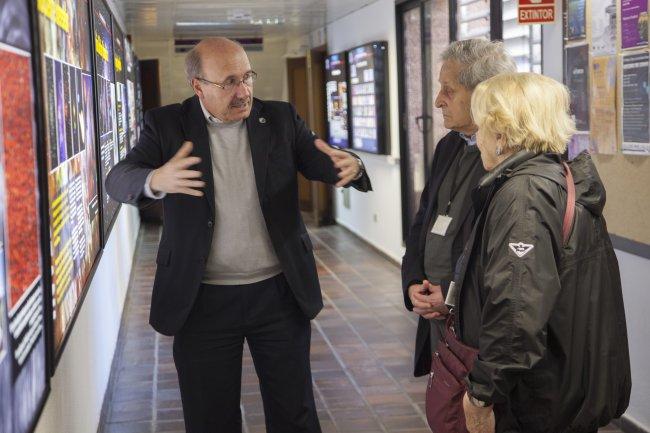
[520,248]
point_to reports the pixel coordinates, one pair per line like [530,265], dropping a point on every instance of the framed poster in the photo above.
[579,142]
[576,20]
[23,356]
[368,66]
[634,23]
[132,134]
[119,63]
[603,27]
[106,102]
[139,113]
[71,161]
[336,93]
[635,101]
[576,77]
[604,136]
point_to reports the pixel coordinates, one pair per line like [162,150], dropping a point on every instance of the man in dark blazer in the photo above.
[444,219]
[235,261]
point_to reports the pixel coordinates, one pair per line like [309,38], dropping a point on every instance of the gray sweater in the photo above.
[241,251]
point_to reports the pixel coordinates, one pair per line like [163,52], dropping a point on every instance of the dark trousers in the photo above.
[208,357]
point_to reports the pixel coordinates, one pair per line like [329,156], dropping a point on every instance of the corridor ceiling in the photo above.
[236,18]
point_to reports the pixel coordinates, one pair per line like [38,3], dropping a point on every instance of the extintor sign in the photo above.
[536,11]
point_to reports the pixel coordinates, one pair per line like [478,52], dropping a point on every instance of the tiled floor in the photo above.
[361,350]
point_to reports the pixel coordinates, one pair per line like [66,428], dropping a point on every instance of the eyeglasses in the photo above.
[248,79]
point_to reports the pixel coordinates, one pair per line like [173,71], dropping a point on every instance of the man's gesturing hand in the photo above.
[175,177]
[347,163]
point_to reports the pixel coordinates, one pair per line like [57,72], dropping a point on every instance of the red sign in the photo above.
[536,11]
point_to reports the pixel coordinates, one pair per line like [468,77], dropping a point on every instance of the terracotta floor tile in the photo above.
[361,350]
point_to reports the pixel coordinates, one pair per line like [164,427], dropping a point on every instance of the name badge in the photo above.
[441,225]
[450,300]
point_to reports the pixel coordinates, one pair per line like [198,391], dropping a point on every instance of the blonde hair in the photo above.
[530,110]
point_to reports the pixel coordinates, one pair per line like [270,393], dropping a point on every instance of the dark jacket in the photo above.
[281,145]
[413,260]
[548,318]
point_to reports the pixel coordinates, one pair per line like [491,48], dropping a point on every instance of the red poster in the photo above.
[20,173]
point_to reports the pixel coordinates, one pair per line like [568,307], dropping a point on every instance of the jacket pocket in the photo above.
[306,242]
[163,257]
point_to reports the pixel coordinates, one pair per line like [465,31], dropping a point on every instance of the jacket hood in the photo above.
[590,192]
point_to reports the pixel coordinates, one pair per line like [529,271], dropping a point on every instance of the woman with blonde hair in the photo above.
[537,290]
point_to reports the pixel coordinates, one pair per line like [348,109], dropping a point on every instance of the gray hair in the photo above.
[193,66]
[480,60]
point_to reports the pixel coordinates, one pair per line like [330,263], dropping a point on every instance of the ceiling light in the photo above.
[201,24]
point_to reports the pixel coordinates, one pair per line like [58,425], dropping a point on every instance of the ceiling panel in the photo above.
[242,18]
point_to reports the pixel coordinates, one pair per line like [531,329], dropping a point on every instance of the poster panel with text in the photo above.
[73,203]
[576,19]
[604,136]
[23,370]
[369,97]
[635,110]
[130,96]
[576,77]
[634,23]
[106,106]
[119,62]
[603,27]
[336,93]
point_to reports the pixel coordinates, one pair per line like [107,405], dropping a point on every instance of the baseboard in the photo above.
[629,426]
[372,245]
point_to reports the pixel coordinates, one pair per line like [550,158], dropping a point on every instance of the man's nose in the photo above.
[438,102]
[242,90]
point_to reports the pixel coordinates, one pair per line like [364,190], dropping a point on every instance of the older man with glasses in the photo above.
[235,261]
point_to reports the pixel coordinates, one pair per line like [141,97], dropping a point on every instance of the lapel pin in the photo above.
[262,120]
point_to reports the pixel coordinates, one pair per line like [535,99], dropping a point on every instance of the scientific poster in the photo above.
[119,62]
[139,110]
[576,20]
[23,372]
[578,143]
[336,93]
[71,162]
[130,96]
[603,27]
[369,93]
[603,105]
[634,23]
[576,77]
[106,106]
[635,111]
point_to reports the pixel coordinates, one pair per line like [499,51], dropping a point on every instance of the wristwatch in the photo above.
[476,402]
[358,176]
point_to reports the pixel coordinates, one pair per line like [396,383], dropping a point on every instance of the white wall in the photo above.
[374,216]
[635,274]
[81,378]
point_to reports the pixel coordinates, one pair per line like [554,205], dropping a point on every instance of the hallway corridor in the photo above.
[361,350]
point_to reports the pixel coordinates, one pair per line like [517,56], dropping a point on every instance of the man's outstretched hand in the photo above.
[347,163]
[175,177]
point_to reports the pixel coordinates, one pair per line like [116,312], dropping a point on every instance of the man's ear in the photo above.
[196,86]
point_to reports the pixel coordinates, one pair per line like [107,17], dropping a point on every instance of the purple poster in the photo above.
[634,23]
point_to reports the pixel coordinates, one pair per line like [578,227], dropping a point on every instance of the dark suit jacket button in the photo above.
[210,223]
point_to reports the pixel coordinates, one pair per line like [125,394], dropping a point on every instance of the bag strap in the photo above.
[570,204]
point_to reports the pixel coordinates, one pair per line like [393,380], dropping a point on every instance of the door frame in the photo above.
[400,9]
